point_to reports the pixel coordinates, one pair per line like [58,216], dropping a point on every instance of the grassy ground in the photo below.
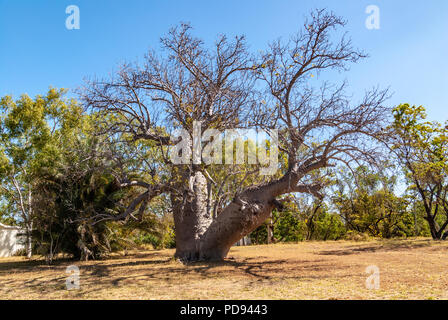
[409,269]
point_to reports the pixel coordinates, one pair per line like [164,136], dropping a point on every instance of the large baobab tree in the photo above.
[225,87]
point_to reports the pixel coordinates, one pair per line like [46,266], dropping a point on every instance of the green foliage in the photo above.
[58,179]
[294,223]
[288,227]
[154,230]
[422,149]
[367,203]
[70,196]
[353,235]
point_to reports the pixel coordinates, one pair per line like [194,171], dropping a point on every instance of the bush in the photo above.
[353,235]
[65,209]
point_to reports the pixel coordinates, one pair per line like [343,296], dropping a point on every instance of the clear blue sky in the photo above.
[409,52]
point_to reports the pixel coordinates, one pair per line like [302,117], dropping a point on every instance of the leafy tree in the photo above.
[78,187]
[301,220]
[50,152]
[422,149]
[30,134]
[320,223]
[366,201]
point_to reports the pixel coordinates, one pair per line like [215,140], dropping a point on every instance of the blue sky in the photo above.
[408,53]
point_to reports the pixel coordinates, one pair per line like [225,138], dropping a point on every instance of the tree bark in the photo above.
[243,215]
[29,227]
[437,232]
[270,230]
[200,237]
[29,242]
[191,217]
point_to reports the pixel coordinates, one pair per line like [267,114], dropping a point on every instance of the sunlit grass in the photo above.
[409,269]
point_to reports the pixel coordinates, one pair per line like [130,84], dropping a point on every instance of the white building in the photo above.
[10,240]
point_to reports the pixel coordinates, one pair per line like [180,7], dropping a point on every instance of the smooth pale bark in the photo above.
[29,242]
[29,227]
[243,215]
[191,217]
[199,237]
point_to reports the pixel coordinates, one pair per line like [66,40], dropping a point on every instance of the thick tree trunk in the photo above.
[199,237]
[247,212]
[191,217]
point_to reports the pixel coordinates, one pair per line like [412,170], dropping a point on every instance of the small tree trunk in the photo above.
[270,230]
[29,226]
[415,222]
[433,227]
[29,242]
[445,235]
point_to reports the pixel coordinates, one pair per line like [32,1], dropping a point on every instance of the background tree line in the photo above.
[58,174]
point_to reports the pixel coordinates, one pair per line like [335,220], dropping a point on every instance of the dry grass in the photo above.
[409,269]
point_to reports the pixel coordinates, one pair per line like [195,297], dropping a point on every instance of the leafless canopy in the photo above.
[226,87]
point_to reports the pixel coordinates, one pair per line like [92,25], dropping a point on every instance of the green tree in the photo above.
[301,219]
[31,133]
[366,201]
[422,149]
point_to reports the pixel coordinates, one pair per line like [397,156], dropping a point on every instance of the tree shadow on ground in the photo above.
[380,247]
[253,272]
[160,269]
[27,264]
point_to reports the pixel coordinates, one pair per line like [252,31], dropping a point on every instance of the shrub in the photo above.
[353,235]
